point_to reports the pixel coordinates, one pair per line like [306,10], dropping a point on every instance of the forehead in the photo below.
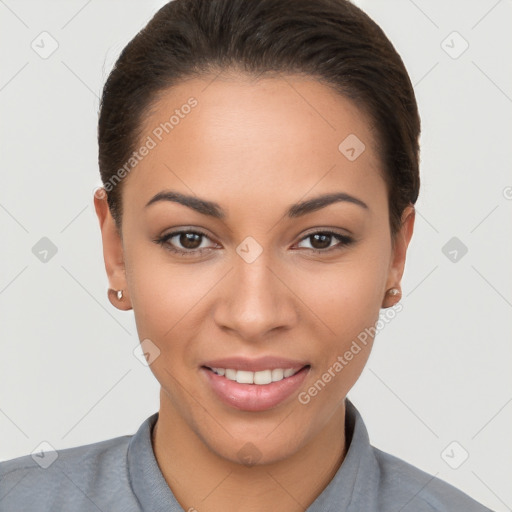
[271,135]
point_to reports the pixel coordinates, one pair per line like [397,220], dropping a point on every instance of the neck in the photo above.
[201,479]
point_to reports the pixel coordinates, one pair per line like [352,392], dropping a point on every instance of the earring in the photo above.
[118,300]
[393,292]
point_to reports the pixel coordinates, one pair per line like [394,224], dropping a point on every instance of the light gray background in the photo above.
[439,372]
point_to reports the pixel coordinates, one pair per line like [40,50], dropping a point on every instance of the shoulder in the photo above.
[81,478]
[416,490]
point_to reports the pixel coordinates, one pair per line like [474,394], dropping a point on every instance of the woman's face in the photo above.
[256,282]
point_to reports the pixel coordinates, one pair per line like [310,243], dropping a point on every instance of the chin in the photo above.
[256,450]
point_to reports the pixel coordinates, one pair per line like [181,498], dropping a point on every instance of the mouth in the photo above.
[255,390]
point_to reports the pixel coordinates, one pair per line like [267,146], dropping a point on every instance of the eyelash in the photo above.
[343,239]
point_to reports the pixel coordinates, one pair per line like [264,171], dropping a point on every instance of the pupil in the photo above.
[325,239]
[187,240]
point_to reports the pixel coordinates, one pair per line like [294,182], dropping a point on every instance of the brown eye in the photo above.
[185,242]
[322,241]
[190,240]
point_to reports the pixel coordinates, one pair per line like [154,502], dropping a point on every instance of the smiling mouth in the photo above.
[255,391]
[259,378]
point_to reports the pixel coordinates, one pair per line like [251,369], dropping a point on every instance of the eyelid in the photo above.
[328,229]
[186,229]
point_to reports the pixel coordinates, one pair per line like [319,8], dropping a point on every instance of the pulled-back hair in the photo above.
[332,41]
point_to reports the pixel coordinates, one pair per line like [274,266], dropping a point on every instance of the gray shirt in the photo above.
[122,474]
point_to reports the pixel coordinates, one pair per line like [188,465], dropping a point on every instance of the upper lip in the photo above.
[255,365]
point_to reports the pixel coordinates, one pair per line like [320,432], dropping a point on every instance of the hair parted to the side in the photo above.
[332,41]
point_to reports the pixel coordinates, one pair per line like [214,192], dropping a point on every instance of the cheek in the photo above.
[160,293]
[344,302]
[344,297]
[164,297]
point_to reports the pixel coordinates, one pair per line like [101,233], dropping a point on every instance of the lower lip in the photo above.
[254,397]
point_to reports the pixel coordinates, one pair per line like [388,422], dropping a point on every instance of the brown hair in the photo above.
[330,40]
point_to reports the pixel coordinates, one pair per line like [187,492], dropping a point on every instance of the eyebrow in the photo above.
[213,209]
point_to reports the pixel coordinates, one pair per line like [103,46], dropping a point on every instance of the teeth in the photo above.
[277,374]
[230,374]
[244,377]
[259,378]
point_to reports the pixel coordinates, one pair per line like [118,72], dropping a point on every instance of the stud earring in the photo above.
[118,300]
[393,291]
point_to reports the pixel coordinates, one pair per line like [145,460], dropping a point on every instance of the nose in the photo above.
[256,300]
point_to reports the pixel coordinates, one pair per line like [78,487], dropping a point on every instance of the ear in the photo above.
[397,263]
[113,252]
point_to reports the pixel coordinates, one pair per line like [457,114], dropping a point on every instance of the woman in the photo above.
[260,169]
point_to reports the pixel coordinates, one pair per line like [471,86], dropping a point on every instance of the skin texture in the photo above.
[255,148]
